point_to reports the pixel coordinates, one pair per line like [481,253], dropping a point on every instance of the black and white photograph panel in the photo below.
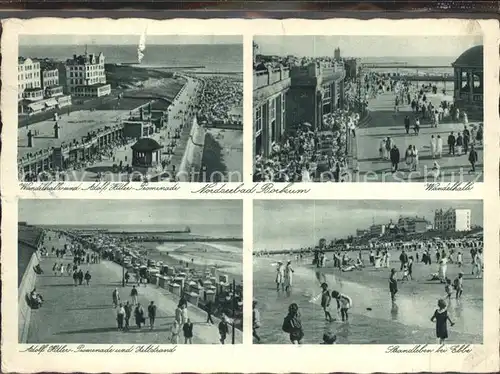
[395,272]
[368,108]
[134,271]
[130,108]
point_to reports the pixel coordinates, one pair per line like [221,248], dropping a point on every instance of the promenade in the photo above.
[176,116]
[85,314]
[383,123]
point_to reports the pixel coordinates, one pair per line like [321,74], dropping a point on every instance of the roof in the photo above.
[471,57]
[146,145]
[37,105]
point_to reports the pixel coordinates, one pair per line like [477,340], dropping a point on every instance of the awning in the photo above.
[36,106]
[51,102]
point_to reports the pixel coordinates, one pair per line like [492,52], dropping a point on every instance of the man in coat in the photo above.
[473,158]
[395,158]
[451,144]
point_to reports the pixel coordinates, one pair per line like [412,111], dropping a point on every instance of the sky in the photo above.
[280,224]
[131,212]
[366,46]
[127,39]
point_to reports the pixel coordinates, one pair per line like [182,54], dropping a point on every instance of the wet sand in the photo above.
[406,323]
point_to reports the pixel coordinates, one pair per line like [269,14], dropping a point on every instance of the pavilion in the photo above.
[146,155]
[468,68]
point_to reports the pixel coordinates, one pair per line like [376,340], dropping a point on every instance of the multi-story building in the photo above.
[452,220]
[377,230]
[413,224]
[286,97]
[86,76]
[28,76]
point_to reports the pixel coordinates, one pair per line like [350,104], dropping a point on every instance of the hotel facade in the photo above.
[86,76]
[452,220]
[284,97]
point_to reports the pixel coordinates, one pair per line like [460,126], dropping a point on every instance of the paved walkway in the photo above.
[385,123]
[85,314]
[124,154]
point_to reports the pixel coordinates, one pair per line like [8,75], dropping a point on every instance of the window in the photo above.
[272,110]
[258,120]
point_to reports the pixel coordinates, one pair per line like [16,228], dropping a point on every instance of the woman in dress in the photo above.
[382,150]
[433,146]
[409,158]
[441,318]
[439,148]
[415,158]
[280,276]
[288,276]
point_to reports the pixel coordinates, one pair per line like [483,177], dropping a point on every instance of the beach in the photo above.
[407,323]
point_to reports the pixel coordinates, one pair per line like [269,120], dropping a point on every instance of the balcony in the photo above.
[267,77]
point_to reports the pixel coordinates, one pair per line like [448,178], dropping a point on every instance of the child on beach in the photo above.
[447,289]
[441,318]
[459,259]
[458,285]
[293,325]
[344,302]
[325,301]
[405,273]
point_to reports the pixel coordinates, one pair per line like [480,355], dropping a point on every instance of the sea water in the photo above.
[407,322]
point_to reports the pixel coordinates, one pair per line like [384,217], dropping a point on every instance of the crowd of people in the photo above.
[309,155]
[377,255]
[219,97]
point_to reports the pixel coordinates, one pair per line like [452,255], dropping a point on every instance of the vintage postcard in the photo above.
[230,195]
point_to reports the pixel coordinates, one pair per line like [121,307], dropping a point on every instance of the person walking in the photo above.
[135,295]
[407,124]
[395,158]
[188,332]
[223,329]
[87,277]
[433,146]
[460,144]
[128,314]
[208,309]
[139,315]
[416,127]
[120,315]
[115,296]
[409,157]
[473,157]
[439,146]
[174,337]
[152,315]
[415,158]
[451,144]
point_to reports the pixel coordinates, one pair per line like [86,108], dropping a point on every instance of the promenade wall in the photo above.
[191,160]
[27,284]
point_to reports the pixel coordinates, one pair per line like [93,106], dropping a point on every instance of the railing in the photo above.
[268,77]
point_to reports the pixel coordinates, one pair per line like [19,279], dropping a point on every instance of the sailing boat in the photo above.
[141,48]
